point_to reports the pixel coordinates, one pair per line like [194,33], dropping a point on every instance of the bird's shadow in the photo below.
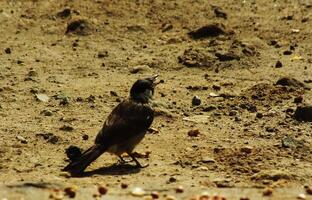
[116,169]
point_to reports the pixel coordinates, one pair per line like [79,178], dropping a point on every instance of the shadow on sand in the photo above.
[116,169]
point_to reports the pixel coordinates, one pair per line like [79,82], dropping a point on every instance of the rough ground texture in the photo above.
[66,64]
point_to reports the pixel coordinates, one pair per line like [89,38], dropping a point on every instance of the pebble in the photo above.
[210,30]
[193,133]
[232,113]
[288,142]
[7,50]
[208,160]
[196,101]
[278,64]
[246,149]
[298,99]
[22,139]
[170,197]
[124,185]
[203,168]
[46,112]
[308,189]
[42,97]
[138,192]
[259,115]
[301,196]
[56,195]
[274,175]
[67,128]
[140,68]
[102,189]
[85,137]
[155,195]
[64,13]
[179,189]
[70,192]
[267,192]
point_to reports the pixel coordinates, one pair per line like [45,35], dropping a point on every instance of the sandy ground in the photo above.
[66,64]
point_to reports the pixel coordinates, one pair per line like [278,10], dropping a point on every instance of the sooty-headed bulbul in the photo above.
[123,129]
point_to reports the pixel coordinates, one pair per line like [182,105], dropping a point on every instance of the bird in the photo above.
[123,129]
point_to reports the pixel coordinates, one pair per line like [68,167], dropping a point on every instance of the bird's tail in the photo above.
[78,166]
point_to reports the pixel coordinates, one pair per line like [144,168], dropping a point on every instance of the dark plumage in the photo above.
[123,129]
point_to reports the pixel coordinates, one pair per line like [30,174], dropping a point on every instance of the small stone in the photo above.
[222,183]
[149,197]
[208,160]
[287,52]
[21,139]
[204,196]
[233,113]
[155,195]
[210,30]
[113,93]
[172,180]
[70,192]
[102,189]
[46,112]
[193,133]
[124,185]
[53,139]
[91,99]
[308,189]
[203,168]
[301,196]
[56,195]
[64,13]
[140,68]
[273,175]
[209,108]
[298,100]
[267,192]
[227,56]
[246,149]
[170,197]
[179,189]
[102,54]
[67,128]
[288,142]
[278,64]
[64,99]
[42,97]
[244,198]
[85,137]
[219,12]
[196,101]
[138,192]
[7,50]
[78,26]
[212,94]
[259,115]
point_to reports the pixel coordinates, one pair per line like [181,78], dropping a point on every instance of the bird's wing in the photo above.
[125,121]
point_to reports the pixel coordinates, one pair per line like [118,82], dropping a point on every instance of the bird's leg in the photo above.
[136,161]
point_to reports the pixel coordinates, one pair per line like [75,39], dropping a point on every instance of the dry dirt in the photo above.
[81,57]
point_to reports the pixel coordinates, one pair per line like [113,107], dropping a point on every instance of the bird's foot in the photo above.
[122,161]
[137,162]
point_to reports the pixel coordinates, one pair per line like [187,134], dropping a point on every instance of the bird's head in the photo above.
[143,89]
